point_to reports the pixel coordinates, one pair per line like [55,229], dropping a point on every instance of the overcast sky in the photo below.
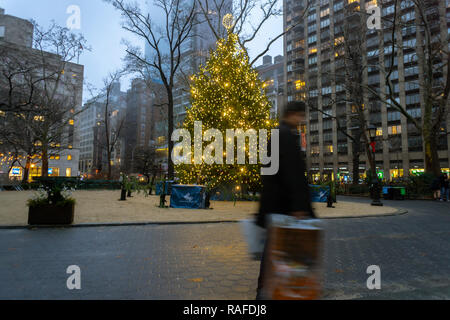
[101,26]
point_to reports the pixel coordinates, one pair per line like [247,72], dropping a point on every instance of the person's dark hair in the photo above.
[294,106]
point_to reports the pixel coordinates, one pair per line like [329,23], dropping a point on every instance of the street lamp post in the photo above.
[372,131]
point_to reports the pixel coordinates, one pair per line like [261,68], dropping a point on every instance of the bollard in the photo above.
[162,200]
[123,195]
[329,201]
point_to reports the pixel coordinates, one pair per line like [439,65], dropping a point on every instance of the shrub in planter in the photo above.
[358,189]
[51,205]
[131,184]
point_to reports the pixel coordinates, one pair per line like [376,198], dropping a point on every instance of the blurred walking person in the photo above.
[286,192]
[436,188]
[444,187]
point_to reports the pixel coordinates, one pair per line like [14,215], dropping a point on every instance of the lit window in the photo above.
[371,3]
[338,41]
[69,157]
[68,172]
[379,132]
[299,84]
[324,13]
[395,130]
[71,122]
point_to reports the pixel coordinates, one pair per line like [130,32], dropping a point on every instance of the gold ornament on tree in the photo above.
[228,21]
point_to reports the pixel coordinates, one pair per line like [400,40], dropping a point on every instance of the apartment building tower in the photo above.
[317,55]
[272,73]
[16,48]
[92,132]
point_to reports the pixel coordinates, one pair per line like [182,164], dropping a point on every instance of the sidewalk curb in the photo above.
[399,212]
[112,224]
[128,224]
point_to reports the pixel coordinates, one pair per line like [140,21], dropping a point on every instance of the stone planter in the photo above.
[51,215]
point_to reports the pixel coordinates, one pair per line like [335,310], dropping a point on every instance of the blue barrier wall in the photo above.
[319,193]
[187,197]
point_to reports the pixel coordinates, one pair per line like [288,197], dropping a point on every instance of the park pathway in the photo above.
[209,261]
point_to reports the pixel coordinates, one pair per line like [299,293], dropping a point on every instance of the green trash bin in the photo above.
[399,193]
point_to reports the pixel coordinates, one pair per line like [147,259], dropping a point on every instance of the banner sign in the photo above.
[319,193]
[187,197]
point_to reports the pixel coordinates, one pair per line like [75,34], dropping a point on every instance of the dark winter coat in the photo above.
[287,191]
[444,182]
[436,184]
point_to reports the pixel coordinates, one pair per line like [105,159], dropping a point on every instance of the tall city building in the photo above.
[16,30]
[194,51]
[146,121]
[323,40]
[272,72]
[16,46]
[92,132]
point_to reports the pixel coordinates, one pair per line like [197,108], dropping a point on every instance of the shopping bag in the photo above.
[293,266]
[255,237]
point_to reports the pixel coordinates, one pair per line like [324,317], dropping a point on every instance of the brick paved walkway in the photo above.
[209,261]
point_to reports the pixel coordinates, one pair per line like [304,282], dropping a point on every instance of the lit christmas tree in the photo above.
[227,94]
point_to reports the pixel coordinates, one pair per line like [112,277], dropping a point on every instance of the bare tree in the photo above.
[145,162]
[348,127]
[113,121]
[40,93]
[18,146]
[166,42]
[433,58]
[58,100]
[349,73]
[156,94]
[18,79]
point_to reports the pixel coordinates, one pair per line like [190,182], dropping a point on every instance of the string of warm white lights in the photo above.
[226,94]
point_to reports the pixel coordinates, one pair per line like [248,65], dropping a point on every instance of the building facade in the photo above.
[146,121]
[16,45]
[272,74]
[92,132]
[317,52]
[16,30]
